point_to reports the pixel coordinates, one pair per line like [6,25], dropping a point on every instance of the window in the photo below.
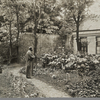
[83,44]
[98,45]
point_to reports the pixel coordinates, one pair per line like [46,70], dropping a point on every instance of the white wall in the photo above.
[91,44]
[90,23]
[74,46]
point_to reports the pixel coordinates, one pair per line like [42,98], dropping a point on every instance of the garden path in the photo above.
[44,88]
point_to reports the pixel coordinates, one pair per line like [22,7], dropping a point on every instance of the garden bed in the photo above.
[77,75]
[77,86]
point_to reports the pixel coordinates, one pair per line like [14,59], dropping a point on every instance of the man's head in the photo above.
[30,48]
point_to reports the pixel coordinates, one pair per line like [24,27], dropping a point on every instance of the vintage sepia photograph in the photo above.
[49,48]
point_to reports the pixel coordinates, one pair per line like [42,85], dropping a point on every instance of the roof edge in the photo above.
[88,30]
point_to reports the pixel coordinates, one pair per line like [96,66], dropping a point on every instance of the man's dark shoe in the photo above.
[29,77]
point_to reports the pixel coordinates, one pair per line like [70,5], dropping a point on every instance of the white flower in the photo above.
[32,95]
[54,76]
[96,61]
[26,96]
[68,59]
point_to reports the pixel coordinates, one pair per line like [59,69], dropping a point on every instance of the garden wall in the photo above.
[46,43]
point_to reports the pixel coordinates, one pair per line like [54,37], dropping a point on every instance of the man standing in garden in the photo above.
[29,62]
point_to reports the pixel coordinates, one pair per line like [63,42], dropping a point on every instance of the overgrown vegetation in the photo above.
[39,16]
[77,75]
[17,87]
[50,24]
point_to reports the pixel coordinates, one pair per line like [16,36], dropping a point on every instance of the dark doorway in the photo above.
[83,45]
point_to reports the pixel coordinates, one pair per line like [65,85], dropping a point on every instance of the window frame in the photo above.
[97,44]
[83,46]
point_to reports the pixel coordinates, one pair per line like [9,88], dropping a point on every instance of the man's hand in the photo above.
[35,55]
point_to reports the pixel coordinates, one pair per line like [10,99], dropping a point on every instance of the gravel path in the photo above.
[44,88]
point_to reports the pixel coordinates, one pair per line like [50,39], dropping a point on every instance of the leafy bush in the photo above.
[70,62]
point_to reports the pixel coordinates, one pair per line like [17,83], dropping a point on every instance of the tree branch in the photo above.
[74,18]
[40,13]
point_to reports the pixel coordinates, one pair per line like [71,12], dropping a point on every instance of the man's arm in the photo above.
[31,56]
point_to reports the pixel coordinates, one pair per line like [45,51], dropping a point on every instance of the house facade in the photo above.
[89,36]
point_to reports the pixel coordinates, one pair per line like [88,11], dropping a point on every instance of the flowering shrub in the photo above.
[71,62]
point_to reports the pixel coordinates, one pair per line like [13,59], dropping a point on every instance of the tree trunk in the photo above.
[17,37]
[35,43]
[10,46]
[66,41]
[77,21]
[77,36]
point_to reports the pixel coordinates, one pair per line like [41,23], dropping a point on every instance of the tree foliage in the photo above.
[42,16]
[75,12]
[40,12]
[11,13]
[17,15]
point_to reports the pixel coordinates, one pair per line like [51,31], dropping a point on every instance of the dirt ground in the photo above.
[40,87]
[15,86]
